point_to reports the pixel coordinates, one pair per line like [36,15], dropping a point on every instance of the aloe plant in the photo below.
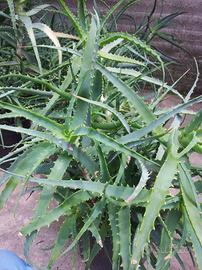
[102,149]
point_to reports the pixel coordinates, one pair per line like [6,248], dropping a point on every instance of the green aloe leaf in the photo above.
[82,14]
[113,219]
[136,135]
[131,96]
[98,188]
[25,165]
[156,201]
[141,184]
[100,137]
[192,210]
[103,166]
[32,91]
[110,109]
[46,195]
[29,27]
[133,40]
[54,127]
[13,15]
[194,239]
[120,58]
[63,235]
[52,36]
[96,212]
[139,75]
[77,153]
[167,234]
[125,236]
[72,18]
[86,74]
[94,229]
[35,133]
[40,81]
[112,11]
[63,209]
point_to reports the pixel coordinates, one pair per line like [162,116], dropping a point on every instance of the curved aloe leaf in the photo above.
[194,239]
[46,195]
[141,184]
[77,153]
[191,91]
[113,219]
[25,165]
[64,233]
[52,36]
[167,234]
[86,74]
[134,40]
[29,26]
[126,91]
[110,109]
[54,127]
[63,209]
[98,188]
[192,210]
[134,136]
[72,18]
[156,201]
[12,14]
[96,212]
[103,166]
[125,236]
[141,76]
[36,9]
[108,47]
[120,58]
[98,136]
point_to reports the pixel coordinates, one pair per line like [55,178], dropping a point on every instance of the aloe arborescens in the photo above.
[108,158]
